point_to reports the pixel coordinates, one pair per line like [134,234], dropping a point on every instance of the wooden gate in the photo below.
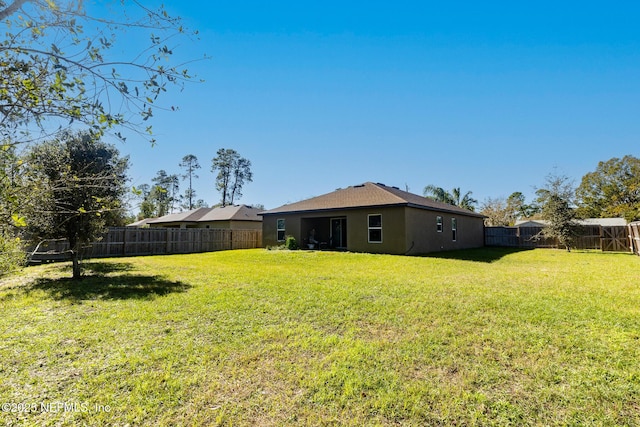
[634,237]
[614,239]
[605,238]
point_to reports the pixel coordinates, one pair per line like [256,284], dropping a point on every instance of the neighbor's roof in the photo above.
[368,194]
[140,223]
[530,223]
[226,213]
[604,222]
[186,216]
[234,213]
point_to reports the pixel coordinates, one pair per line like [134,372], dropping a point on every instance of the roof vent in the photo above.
[358,186]
[379,183]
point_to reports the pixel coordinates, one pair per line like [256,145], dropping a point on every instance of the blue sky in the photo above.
[487,96]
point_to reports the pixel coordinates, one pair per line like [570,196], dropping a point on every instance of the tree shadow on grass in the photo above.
[486,254]
[103,268]
[108,281]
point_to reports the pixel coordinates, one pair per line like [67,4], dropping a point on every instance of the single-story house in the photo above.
[234,217]
[374,218]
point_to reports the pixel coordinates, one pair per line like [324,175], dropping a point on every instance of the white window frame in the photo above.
[283,230]
[439,224]
[454,229]
[369,228]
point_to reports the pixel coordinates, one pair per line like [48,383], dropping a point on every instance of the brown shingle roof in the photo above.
[368,194]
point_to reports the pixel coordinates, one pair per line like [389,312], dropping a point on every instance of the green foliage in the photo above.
[612,190]
[518,208]
[501,212]
[556,200]
[190,165]
[11,189]
[15,198]
[233,170]
[159,199]
[12,255]
[291,243]
[81,183]
[164,194]
[455,198]
[60,65]
[488,337]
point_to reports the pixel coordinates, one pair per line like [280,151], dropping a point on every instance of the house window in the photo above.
[280,229]
[439,224]
[454,229]
[375,228]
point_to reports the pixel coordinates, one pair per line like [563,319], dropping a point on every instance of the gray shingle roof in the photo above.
[604,222]
[226,213]
[368,194]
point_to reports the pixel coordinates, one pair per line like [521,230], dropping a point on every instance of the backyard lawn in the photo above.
[257,337]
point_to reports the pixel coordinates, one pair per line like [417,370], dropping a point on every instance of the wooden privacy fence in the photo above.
[605,238]
[130,241]
[634,236]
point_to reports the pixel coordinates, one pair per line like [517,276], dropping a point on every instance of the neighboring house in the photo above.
[229,217]
[141,223]
[603,222]
[375,218]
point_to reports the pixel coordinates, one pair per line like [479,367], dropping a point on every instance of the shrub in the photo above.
[291,243]
[12,256]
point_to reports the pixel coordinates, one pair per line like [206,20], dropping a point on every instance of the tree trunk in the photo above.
[74,247]
[77,269]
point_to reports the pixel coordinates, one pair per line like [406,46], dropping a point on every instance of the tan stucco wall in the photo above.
[423,237]
[404,230]
[293,224]
[393,237]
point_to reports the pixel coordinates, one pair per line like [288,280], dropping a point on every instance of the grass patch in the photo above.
[256,337]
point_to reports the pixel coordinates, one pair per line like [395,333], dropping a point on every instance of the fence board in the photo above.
[131,241]
[634,237]
[615,239]
[589,237]
[501,236]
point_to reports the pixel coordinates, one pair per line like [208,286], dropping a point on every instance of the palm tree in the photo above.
[455,198]
[438,194]
[466,201]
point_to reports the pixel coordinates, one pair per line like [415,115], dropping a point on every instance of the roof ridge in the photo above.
[388,190]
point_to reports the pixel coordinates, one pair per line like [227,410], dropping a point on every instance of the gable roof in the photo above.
[368,194]
[140,223]
[226,213]
[604,222]
[233,213]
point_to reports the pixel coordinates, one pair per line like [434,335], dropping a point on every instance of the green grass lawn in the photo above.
[256,337]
